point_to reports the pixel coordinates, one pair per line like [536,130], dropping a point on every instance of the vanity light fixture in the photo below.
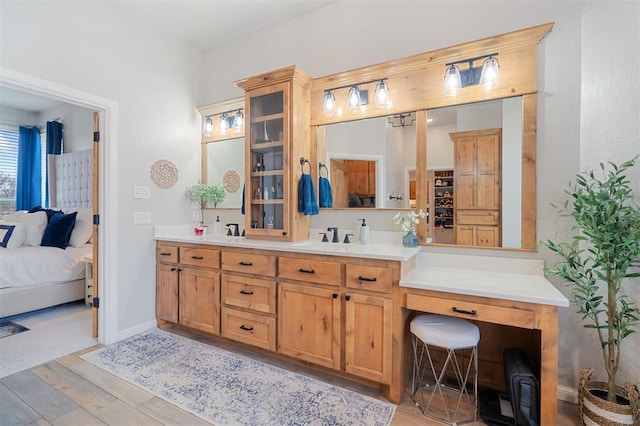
[402,120]
[356,98]
[207,127]
[487,75]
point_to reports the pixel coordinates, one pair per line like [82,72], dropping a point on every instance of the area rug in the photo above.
[9,328]
[229,389]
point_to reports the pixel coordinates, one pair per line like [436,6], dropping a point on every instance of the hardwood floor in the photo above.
[71,391]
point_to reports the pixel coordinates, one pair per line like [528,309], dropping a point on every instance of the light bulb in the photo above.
[224,123]
[353,98]
[382,94]
[207,127]
[452,83]
[329,103]
[238,120]
[490,76]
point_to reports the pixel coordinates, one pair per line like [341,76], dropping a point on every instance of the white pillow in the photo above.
[34,224]
[12,234]
[83,230]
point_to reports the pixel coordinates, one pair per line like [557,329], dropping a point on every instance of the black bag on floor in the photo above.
[523,388]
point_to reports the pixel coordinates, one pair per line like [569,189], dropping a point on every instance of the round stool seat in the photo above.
[445,332]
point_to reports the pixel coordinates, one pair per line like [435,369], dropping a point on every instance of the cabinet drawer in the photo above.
[253,329]
[167,253]
[314,271]
[200,257]
[249,293]
[374,278]
[477,217]
[258,264]
[471,310]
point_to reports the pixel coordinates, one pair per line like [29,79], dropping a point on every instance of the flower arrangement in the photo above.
[202,193]
[409,221]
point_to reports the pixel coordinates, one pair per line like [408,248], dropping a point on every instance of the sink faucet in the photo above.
[236,233]
[335,234]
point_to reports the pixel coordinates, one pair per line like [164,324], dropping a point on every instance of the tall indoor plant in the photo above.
[602,257]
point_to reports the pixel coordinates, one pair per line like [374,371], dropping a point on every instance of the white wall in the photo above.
[565,141]
[153,81]
[77,122]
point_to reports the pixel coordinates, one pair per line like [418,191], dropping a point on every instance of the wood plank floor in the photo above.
[71,391]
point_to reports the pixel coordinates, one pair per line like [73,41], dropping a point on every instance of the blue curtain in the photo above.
[29,185]
[54,146]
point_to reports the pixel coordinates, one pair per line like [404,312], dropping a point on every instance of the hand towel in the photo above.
[307,203]
[243,194]
[324,187]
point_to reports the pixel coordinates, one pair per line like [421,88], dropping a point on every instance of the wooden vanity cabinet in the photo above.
[276,138]
[477,187]
[188,286]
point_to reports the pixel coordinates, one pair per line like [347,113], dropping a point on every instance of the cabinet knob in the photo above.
[174,269]
[335,295]
[347,298]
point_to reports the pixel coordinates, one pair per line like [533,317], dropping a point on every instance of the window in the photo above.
[9,168]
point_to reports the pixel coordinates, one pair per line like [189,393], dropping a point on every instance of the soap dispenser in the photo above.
[217,227]
[363,235]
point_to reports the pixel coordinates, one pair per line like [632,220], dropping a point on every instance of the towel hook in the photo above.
[304,161]
[321,166]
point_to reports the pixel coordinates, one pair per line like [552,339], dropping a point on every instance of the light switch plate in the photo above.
[141,218]
[141,192]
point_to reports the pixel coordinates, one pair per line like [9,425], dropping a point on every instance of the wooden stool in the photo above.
[449,378]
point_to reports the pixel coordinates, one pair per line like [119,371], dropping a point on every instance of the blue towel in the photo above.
[307,203]
[243,194]
[324,187]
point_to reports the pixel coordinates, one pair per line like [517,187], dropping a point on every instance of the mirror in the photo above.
[225,164]
[370,163]
[448,194]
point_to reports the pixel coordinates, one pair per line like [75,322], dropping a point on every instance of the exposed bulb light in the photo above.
[238,121]
[329,103]
[490,76]
[207,127]
[353,98]
[224,123]
[452,83]
[382,94]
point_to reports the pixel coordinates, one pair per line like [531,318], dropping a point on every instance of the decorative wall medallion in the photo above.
[164,173]
[231,181]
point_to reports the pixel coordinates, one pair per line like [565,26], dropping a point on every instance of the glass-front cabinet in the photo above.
[276,137]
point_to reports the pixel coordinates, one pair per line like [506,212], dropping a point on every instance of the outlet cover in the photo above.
[141,218]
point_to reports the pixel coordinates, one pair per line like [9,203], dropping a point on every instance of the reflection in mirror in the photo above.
[225,164]
[474,174]
[370,163]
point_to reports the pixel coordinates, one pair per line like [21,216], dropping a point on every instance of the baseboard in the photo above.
[568,394]
[135,330]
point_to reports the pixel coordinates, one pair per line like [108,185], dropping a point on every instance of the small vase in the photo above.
[410,239]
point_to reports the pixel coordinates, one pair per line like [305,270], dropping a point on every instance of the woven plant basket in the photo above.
[594,410]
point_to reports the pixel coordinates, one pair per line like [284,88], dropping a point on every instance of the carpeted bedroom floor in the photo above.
[53,333]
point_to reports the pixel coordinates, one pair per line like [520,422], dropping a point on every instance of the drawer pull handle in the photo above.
[165,254]
[462,311]
[197,257]
[307,271]
[245,263]
[248,293]
[361,278]
[245,328]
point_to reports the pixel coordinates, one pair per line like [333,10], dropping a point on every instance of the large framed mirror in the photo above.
[370,163]
[223,149]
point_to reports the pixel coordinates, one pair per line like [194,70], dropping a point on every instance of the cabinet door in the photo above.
[488,171]
[167,292]
[488,236]
[465,235]
[368,341]
[200,299]
[309,323]
[268,161]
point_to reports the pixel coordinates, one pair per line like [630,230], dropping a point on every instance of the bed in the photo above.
[35,271]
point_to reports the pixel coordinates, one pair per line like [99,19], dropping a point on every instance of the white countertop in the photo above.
[184,234]
[524,281]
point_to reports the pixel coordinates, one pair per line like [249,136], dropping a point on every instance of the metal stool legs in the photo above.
[465,407]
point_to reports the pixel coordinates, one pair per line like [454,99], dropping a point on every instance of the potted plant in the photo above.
[202,194]
[600,258]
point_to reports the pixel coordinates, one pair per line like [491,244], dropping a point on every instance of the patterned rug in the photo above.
[229,389]
[9,328]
